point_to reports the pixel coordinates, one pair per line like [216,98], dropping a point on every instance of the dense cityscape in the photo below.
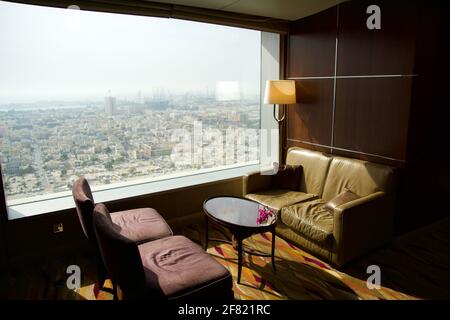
[45,146]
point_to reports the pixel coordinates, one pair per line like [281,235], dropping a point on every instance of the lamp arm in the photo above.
[275,113]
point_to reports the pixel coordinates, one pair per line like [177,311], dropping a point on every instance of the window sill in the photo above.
[17,210]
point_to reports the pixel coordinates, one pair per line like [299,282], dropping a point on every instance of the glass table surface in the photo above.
[236,211]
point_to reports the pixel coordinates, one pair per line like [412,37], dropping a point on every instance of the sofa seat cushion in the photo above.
[279,198]
[310,219]
[141,225]
[176,267]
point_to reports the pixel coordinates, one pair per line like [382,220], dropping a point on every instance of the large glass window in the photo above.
[121,99]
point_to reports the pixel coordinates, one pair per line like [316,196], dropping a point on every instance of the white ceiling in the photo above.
[281,9]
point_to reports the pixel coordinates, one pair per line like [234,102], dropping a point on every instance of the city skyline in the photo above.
[45,150]
[143,96]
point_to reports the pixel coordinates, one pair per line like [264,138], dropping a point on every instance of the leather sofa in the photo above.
[319,216]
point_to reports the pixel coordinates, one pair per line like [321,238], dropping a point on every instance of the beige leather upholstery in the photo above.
[310,219]
[254,182]
[320,250]
[361,225]
[344,232]
[360,177]
[315,168]
[278,198]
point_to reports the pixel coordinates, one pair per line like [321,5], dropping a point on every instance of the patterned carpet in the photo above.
[417,263]
[413,266]
[299,275]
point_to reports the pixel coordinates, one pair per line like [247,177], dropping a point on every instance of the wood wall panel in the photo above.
[295,143]
[370,158]
[372,115]
[312,43]
[428,154]
[373,52]
[311,119]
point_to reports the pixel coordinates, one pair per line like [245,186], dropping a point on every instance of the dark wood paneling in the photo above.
[310,120]
[33,236]
[312,44]
[387,51]
[372,115]
[428,154]
[320,148]
[370,158]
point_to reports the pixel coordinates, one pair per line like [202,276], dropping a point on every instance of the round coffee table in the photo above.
[240,217]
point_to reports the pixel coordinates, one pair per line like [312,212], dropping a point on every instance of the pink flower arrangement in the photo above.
[263,215]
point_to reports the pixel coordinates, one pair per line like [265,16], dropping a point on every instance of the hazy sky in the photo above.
[50,54]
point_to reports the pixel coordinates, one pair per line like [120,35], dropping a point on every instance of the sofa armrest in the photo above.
[361,225]
[255,181]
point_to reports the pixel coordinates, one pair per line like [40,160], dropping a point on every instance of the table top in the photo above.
[236,212]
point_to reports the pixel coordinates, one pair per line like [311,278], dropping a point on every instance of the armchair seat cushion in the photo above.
[177,267]
[279,198]
[310,219]
[141,225]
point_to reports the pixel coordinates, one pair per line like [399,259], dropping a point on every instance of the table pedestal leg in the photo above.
[240,258]
[273,250]
[206,234]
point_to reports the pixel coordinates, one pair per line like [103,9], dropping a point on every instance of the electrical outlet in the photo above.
[58,228]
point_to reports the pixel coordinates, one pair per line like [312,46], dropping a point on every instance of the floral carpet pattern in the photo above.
[414,266]
[298,275]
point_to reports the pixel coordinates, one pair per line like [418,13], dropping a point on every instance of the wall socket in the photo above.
[58,228]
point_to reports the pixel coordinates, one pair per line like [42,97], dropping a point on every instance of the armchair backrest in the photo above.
[84,202]
[120,254]
[315,168]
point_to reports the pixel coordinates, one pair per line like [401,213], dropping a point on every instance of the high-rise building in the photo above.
[139,98]
[110,106]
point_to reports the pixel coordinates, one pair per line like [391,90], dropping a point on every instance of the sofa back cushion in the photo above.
[84,203]
[360,177]
[315,168]
[119,254]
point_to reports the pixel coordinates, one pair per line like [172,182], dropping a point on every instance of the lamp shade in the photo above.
[280,92]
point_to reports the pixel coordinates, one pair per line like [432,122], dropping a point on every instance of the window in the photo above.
[122,99]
